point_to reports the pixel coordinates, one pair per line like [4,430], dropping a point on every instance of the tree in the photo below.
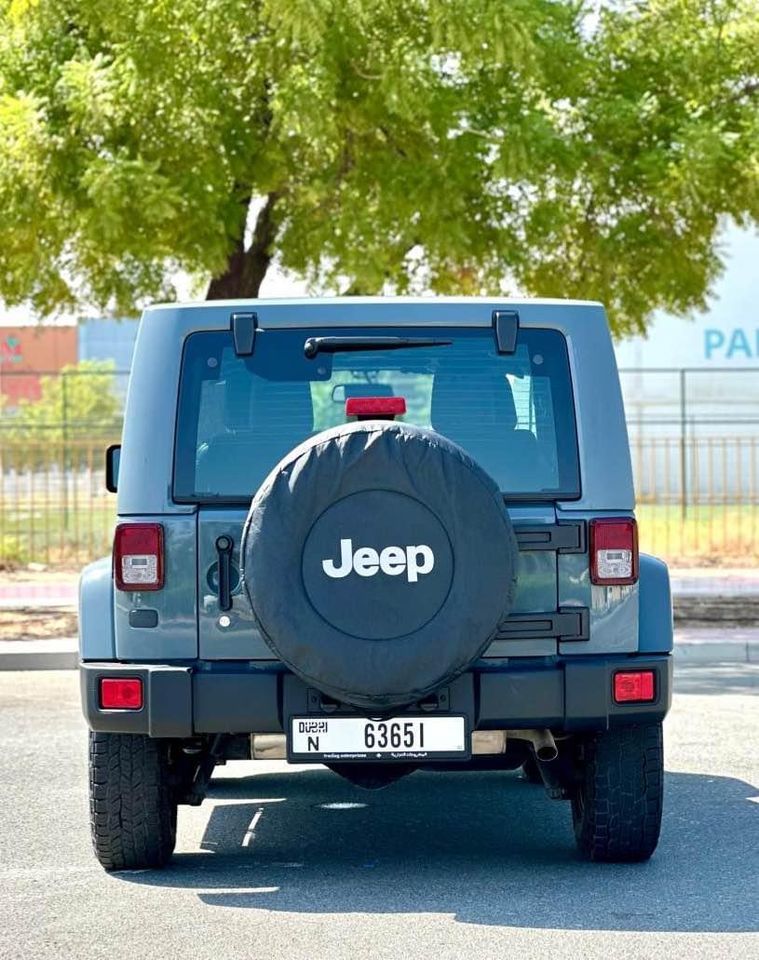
[471,146]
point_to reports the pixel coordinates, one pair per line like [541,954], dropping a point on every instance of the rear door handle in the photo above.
[224,546]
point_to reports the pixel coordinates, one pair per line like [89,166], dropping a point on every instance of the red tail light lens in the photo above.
[613,551]
[375,406]
[121,693]
[138,556]
[634,687]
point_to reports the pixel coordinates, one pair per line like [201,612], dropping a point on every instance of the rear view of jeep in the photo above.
[383,535]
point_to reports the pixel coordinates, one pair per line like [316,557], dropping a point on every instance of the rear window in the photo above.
[238,416]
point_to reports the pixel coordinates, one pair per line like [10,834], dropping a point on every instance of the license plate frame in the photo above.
[436,731]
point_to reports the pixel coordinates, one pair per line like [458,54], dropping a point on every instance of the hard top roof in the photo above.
[564,315]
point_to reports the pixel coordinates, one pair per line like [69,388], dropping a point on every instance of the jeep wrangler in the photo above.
[381,535]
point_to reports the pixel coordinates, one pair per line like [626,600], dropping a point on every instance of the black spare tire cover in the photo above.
[378,559]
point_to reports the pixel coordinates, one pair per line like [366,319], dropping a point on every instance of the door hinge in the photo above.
[564,537]
[568,623]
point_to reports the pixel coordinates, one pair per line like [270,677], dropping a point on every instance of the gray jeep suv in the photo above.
[380,535]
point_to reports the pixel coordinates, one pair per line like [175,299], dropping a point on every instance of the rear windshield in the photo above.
[238,416]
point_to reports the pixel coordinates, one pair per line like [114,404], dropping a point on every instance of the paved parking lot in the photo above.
[295,863]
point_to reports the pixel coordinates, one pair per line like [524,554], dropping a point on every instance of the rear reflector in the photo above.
[138,556]
[375,406]
[613,551]
[121,693]
[635,687]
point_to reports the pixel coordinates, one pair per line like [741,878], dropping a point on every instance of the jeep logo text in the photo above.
[412,560]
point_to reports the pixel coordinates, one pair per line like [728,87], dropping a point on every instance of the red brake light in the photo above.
[121,693]
[138,556]
[613,551]
[375,406]
[637,687]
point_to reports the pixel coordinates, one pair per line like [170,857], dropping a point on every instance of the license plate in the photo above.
[358,738]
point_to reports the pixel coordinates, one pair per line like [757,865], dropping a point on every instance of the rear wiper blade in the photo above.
[316,345]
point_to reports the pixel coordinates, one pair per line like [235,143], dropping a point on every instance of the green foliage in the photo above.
[472,146]
[13,553]
[77,412]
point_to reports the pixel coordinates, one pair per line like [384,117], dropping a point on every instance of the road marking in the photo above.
[250,833]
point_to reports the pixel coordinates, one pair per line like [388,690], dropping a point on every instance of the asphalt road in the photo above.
[438,866]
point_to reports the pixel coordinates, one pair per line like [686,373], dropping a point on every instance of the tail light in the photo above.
[138,556]
[613,551]
[634,687]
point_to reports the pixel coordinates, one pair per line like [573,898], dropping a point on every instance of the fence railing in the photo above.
[54,508]
[698,501]
[694,441]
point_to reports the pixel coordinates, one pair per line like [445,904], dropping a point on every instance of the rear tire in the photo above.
[133,810]
[617,806]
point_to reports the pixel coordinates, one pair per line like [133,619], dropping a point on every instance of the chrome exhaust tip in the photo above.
[268,746]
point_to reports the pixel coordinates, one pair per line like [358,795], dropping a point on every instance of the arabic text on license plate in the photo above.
[358,738]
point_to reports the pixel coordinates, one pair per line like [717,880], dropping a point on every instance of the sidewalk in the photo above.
[701,581]
[54,593]
[58,654]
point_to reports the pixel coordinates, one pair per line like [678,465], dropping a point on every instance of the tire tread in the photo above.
[132,809]
[617,815]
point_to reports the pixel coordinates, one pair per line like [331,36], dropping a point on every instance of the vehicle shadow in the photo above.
[487,848]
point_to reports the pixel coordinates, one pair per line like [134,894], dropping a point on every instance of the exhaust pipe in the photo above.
[490,742]
[494,742]
[267,746]
[542,742]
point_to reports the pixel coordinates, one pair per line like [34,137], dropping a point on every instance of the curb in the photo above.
[59,654]
[698,645]
[39,661]
[692,646]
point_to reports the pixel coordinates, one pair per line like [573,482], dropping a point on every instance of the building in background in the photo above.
[691,391]
[99,339]
[31,351]
[27,352]
[704,371]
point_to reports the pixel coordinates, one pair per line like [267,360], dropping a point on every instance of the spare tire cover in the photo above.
[378,559]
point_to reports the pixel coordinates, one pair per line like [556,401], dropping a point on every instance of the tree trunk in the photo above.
[246,269]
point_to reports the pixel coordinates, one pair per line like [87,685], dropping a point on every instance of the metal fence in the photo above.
[694,442]
[54,508]
[54,429]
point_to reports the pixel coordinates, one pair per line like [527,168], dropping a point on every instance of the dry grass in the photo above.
[38,623]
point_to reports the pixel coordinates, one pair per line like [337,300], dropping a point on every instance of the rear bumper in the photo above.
[565,695]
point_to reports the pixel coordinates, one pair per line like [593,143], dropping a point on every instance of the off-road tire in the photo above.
[133,812]
[617,806]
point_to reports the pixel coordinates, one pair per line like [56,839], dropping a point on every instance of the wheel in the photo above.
[617,806]
[133,810]
[530,770]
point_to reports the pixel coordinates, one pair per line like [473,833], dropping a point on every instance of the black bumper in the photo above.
[570,694]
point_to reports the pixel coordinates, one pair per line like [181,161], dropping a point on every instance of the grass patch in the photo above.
[55,533]
[705,535]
